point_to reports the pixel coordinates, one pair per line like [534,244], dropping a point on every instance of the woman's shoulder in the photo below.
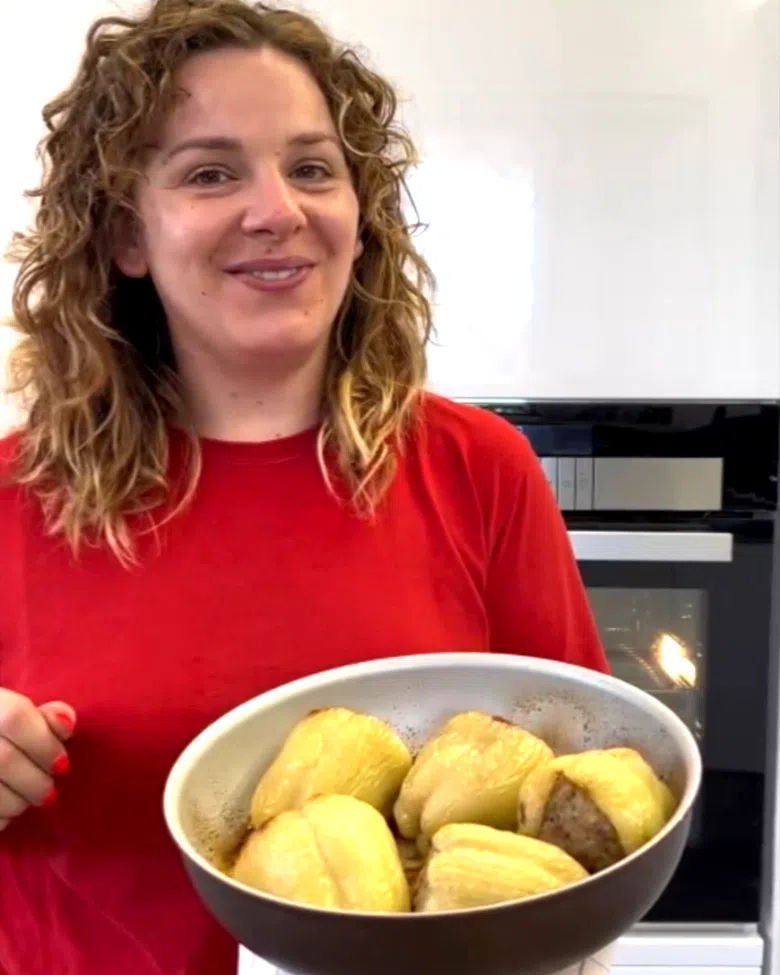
[10,492]
[10,445]
[479,436]
[11,517]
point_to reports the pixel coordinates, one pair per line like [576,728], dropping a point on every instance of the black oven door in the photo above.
[685,616]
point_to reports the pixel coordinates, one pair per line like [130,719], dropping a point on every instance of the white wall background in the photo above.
[600,180]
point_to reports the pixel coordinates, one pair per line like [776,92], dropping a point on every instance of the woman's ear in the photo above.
[129,253]
[358,248]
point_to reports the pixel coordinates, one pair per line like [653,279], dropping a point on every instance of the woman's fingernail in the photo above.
[66,719]
[50,798]
[61,764]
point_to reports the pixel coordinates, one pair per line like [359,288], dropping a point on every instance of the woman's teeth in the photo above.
[280,275]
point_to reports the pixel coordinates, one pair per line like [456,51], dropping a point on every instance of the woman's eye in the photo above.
[208,177]
[311,171]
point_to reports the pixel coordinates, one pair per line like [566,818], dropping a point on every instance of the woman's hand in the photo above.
[31,752]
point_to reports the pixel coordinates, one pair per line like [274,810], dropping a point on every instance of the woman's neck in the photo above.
[253,406]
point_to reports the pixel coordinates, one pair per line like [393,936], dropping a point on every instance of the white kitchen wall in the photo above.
[599,180]
[10,413]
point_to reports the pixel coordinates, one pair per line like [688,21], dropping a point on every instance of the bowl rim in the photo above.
[445,660]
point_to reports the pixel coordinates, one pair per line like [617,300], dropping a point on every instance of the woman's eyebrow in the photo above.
[222,142]
[313,138]
[230,144]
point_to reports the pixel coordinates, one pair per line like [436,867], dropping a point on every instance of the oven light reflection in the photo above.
[674,658]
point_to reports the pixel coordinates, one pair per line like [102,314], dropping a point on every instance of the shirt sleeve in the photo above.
[536,601]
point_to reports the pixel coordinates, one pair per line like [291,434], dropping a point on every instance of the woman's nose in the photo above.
[272,207]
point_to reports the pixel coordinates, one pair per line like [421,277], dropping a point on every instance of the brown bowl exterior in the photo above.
[207,797]
[554,931]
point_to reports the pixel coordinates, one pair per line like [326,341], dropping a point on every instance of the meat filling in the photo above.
[573,822]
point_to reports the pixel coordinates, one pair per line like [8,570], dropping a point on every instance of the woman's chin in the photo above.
[287,348]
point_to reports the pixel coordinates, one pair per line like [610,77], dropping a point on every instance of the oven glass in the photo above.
[655,639]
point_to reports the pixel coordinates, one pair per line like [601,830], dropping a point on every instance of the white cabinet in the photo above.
[657,269]
[644,970]
[684,970]
[674,952]
[600,180]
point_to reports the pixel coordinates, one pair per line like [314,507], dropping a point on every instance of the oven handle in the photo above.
[638,546]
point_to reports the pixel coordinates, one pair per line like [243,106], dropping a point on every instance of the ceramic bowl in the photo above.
[208,790]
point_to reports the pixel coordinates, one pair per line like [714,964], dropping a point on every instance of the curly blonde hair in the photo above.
[101,391]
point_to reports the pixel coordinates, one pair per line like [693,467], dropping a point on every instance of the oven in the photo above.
[671,511]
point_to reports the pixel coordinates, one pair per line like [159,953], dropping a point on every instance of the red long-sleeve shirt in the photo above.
[265,578]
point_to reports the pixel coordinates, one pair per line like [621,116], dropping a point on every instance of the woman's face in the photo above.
[249,215]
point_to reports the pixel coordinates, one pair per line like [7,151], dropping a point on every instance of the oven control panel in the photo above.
[675,459]
[636,483]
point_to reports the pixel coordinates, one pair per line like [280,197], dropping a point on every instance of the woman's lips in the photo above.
[273,279]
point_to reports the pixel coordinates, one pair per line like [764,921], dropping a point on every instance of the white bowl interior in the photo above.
[209,788]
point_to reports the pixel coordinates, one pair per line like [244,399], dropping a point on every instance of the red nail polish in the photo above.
[49,799]
[60,765]
[66,719]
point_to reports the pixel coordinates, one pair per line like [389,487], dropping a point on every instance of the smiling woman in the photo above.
[230,475]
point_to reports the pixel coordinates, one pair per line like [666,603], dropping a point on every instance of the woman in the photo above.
[229,476]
